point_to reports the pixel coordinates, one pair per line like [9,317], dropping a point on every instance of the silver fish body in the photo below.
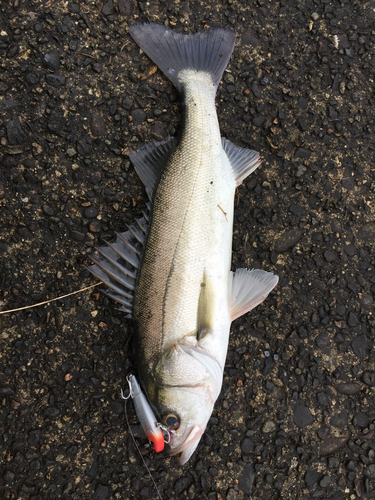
[185,296]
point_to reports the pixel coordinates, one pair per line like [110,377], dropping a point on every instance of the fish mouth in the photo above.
[190,441]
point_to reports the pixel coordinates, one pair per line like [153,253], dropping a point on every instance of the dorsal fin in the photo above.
[117,264]
[150,160]
[243,161]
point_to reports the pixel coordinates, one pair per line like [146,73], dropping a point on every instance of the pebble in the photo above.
[247,446]
[101,492]
[368,378]
[15,134]
[302,416]
[340,419]
[287,240]
[90,212]
[77,235]
[246,480]
[268,427]
[55,80]
[71,152]
[325,482]
[369,471]
[348,388]
[52,60]
[331,445]
[330,256]
[303,102]
[97,125]
[95,226]
[360,346]
[108,8]
[352,319]
[259,120]
[48,210]
[256,90]
[231,495]
[367,232]
[361,420]
[302,153]
[138,115]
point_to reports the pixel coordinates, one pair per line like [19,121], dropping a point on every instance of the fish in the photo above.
[171,270]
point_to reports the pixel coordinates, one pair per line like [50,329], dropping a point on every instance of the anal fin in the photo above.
[248,289]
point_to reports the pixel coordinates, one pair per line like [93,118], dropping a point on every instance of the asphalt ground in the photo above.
[295,418]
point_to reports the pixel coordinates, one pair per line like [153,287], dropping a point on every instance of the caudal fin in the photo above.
[207,50]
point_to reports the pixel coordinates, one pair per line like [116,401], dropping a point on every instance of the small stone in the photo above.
[247,446]
[368,378]
[348,388]
[256,91]
[246,480]
[369,471]
[361,420]
[55,80]
[325,482]
[16,135]
[323,399]
[314,16]
[287,240]
[77,235]
[331,445]
[250,39]
[138,115]
[101,492]
[231,494]
[52,60]
[303,102]
[268,427]
[302,416]
[97,125]
[302,153]
[352,319]
[71,152]
[32,78]
[95,226]
[311,478]
[125,7]
[359,346]
[48,210]
[258,120]
[367,232]
[340,419]
[108,8]
[90,212]
[330,256]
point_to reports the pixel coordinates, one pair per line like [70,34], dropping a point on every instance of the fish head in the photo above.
[189,382]
[186,412]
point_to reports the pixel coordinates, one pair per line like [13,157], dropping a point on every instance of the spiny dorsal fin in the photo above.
[247,289]
[150,160]
[205,307]
[243,161]
[117,264]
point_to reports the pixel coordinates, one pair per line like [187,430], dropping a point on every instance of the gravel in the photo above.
[76,98]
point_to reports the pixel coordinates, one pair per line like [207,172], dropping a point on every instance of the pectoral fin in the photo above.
[248,289]
[205,307]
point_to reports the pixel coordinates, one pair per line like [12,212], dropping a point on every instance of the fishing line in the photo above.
[136,445]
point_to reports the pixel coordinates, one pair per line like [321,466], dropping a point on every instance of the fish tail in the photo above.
[206,51]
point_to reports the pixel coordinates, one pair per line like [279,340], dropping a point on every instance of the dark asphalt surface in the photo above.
[295,419]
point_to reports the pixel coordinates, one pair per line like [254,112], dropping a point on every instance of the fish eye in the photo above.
[170,420]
